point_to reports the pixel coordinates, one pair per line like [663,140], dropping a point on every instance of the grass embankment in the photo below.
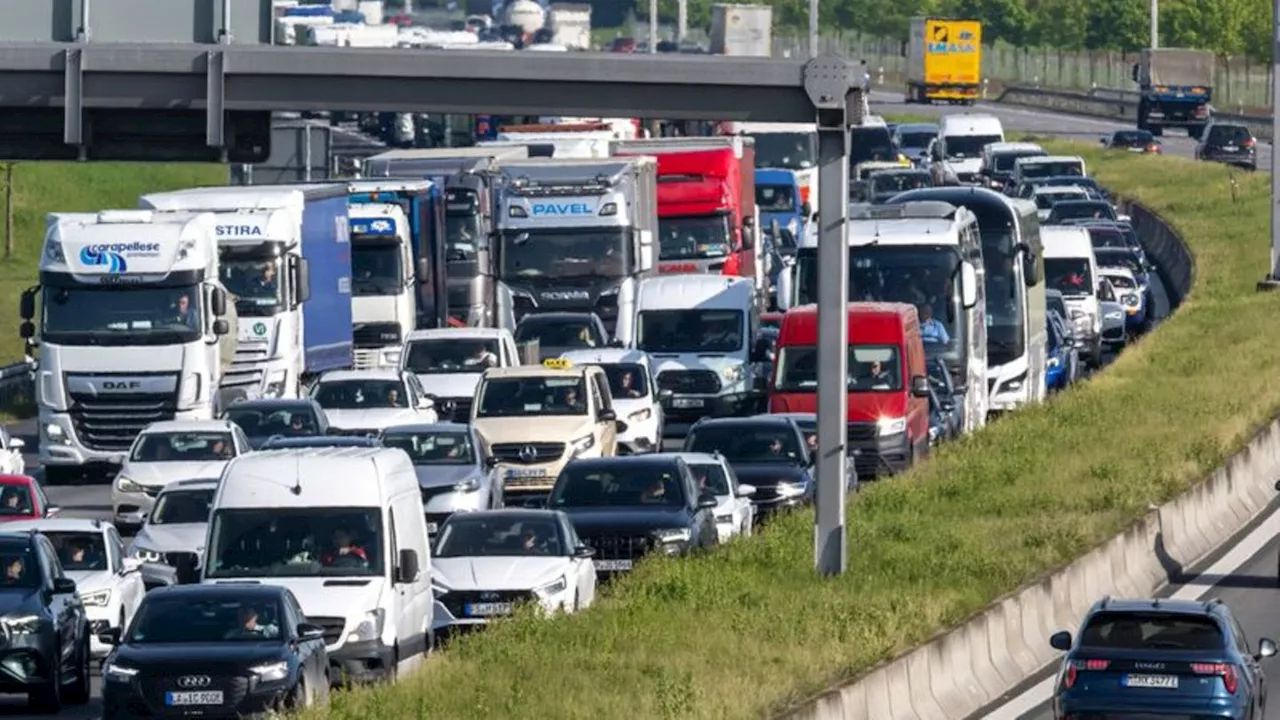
[749,629]
[40,188]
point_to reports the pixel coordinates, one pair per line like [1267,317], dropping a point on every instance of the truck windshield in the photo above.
[916,139]
[960,147]
[871,143]
[1051,168]
[776,198]
[441,356]
[1069,276]
[922,275]
[121,315]
[690,331]
[255,282]
[786,150]
[462,234]
[691,238]
[375,267]
[295,542]
[531,397]
[564,253]
[872,368]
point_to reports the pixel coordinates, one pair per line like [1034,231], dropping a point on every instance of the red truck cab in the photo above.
[888,391]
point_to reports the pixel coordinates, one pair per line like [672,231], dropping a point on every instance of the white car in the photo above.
[363,402]
[485,562]
[1046,195]
[735,513]
[175,528]
[92,554]
[636,397]
[11,460]
[166,452]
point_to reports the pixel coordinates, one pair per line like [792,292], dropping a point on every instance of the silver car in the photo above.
[449,460]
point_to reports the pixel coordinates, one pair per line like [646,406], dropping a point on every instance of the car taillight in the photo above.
[804,194]
[1070,680]
[1228,672]
[1247,143]
[1096,665]
[1153,148]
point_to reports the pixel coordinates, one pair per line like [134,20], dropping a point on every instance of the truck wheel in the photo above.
[1195,132]
[1155,130]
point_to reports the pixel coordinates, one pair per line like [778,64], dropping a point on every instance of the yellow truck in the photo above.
[944,61]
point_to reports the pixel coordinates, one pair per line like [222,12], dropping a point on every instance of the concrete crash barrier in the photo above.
[970,666]
[1113,104]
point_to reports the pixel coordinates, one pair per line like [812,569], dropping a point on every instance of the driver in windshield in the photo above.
[247,626]
[480,355]
[78,556]
[572,401]
[776,447]
[654,492]
[265,282]
[344,546]
[628,385]
[393,398]
[185,314]
[532,542]
[14,571]
[300,424]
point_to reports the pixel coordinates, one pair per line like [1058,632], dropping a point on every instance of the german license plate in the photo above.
[688,402]
[1163,682]
[525,473]
[486,609]
[612,565]
[1229,148]
[206,697]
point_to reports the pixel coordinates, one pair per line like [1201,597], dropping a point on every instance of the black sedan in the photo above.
[262,420]
[767,452]
[215,651]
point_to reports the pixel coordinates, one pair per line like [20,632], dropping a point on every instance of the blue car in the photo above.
[1057,370]
[1158,658]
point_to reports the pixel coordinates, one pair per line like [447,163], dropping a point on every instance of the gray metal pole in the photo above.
[83,32]
[813,30]
[653,26]
[224,35]
[1155,24]
[833,342]
[682,20]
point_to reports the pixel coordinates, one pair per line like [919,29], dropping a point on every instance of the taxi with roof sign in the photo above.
[535,419]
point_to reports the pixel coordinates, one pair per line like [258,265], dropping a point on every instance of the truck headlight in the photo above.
[370,628]
[553,588]
[640,415]
[275,385]
[391,357]
[97,598]
[125,485]
[724,519]
[271,672]
[471,484]
[733,373]
[54,433]
[583,444]
[891,426]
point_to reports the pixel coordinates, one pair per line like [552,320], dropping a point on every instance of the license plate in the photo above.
[525,473]
[1230,148]
[612,565]
[486,609]
[207,697]
[688,402]
[1163,682]
[432,527]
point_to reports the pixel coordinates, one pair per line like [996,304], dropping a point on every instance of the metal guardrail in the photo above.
[1109,103]
[18,388]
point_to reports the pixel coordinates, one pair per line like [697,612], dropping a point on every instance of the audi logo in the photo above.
[194,681]
[528,453]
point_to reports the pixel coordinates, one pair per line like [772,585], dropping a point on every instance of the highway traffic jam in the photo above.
[346,421]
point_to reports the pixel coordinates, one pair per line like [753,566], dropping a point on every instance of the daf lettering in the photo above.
[121,385]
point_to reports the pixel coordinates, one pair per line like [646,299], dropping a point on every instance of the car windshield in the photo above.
[500,535]
[183,447]
[306,542]
[291,421]
[18,565]
[746,442]
[872,368]
[1120,282]
[462,236]
[592,253]
[870,143]
[1152,631]
[182,507]
[627,381]
[1108,238]
[623,485]
[885,182]
[254,282]
[215,619]
[114,314]
[15,500]
[559,332]
[433,447]
[1132,139]
[531,396]
[360,394]
[1124,259]
[690,331]
[960,147]
[711,478]
[79,551]
[1046,200]
[1070,276]
[441,356]
[375,266]
[1051,168]
[786,150]
[1005,161]
[916,140]
[1070,209]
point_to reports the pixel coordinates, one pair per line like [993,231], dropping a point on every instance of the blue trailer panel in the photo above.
[326,314]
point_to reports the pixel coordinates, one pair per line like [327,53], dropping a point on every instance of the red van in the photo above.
[888,382]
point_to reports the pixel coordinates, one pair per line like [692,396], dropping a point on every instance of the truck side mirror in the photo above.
[775,231]
[748,233]
[783,292]
[219,302]
[27,304]
[968,285]
[221,327]
[301,279]
[26,330]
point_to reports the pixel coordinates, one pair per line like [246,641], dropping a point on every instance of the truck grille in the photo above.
[618,547]
[870,462]
[246,365]
[457,600]
[112,422]
[333,627]
[365,359]
[375,335]
[689,382]
[543,452]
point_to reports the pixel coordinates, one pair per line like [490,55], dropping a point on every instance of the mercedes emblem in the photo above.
[528,453]
[194,681]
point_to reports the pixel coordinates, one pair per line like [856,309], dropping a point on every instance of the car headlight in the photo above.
[891,426]
[370,628]
[583,444]
[471,484]
[1053,362]
[54,433]
[1130,299]
[553,588]
[1077,315]
[97,598]
[439,588]
[391,357]
[271,672]
[790,489]
[125,485]
[640,415]
[21,624]
[674,535]
[733,373]
[724,519]
[117,672]
[146,555]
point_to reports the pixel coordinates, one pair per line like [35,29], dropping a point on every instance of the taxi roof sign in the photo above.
[558,363]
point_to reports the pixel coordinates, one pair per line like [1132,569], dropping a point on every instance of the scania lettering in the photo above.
[577,235]
[285,256]
[398,279]
[928,254]
[707,218]
[786,146]
[116,356]
[1013,258]
[471,178]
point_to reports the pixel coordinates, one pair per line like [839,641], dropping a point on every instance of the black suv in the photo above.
[768,453]
[1229,143]
[627,507]
[45,652]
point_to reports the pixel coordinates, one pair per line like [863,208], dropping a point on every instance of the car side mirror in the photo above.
[310,631]
[745,490]
[1266,648]
[52,511]
[27,330]
[1060,641]
[707,501]
[110,637]
[130,565]
[16,444]
[407,569]
[968,285]
[426,402]
[64,586]
[920,386]
[491,462]
[584,552]
[607,416]
[665,395]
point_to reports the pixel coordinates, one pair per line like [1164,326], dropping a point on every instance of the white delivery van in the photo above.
[1071,266]
[961,139]
[344,529]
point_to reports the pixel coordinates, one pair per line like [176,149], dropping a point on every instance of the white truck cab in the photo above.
[636,397]
[448,362]
[702,332]
[1071,267]
[383,290]
[343,529]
